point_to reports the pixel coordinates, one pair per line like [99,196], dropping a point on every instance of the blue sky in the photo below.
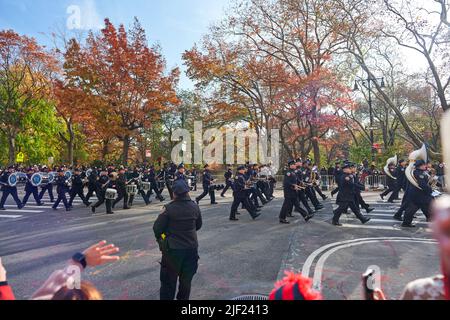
[174,24]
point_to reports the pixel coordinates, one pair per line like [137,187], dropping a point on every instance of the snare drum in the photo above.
[146,186]
[132,189]
[111,194]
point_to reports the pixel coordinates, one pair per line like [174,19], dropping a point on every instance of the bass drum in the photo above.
[111,194]
[132,189]
[36,179]
[51,177]
[146,186]
[13,180]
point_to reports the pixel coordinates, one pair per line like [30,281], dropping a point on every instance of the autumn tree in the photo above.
[121,69]
[25,72]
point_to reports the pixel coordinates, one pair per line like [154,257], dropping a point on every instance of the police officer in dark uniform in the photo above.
[122,189]
[179,175]
[309,191]
[418,198]
[176,232]
[47,188]
[8,190]
[61,189]
[337,177]
[31,190]
[77,188]
[154,185]
[169,177]
[92,184]
[290,188]
[240,195]
[300,181]
[100,190]
[347,196]
[391,183]
[400,183]
[228,175]
[208,180]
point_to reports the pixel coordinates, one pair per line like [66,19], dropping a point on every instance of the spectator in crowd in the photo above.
[440,173]
[63,284]
[294,287]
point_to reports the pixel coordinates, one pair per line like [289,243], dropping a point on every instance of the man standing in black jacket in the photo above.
[176,232]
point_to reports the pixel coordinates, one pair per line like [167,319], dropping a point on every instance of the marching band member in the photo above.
[359,187]
[154,185]
[347,196]
[316,178]
[240,196]
[400,183]
[8,190]
[228,175]
[102,185]
[309,191]
[30,189]
[391,183]
[77,189]
[208,180]
[301,194]
[418,198]
[290,188]
[61,190]
[169,176]
[47,188]
[92,184]
[180,174]
[121,183]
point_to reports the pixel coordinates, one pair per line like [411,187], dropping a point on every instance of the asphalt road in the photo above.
[236,257]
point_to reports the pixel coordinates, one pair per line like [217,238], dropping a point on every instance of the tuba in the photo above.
[420,154]
[390,161]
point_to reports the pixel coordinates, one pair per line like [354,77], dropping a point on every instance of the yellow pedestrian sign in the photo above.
[20,157]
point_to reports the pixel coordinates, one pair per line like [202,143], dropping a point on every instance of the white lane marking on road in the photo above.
[23,211]
[312,257]
[318,271]
[10,216]
[391,221]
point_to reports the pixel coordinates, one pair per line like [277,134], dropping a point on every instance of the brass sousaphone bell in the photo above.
[394,161]
[420,154]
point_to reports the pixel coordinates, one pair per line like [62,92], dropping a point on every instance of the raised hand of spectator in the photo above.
[100,254]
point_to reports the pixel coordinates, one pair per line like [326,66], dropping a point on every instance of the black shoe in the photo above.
[324,198]
[126,208]
[196,201]
[290,216]
[407,225]
[397,218]
[93,209]
[337,224]
[265,202]
[258,210]
[369,210]
[391,201]
[55,209]
[365,220]
[382,197]
[234,219]
[40,204]
[222,195]
[238,213]
[20,207]
[110,212]
[309,217]
[256,216]
[52,201]
[68,209]
[284,222]
[87,204]
[213,203]
[162,200]
[2,209]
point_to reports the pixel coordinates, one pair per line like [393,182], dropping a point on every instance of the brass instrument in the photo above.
[420,154]
[391,161]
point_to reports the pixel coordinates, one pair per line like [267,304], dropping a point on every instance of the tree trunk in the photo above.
[12,149]
[70,143]
[316,148]
[125,150]
[105,149]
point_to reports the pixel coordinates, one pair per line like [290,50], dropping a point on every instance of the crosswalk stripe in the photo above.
[10,216]
[23,211]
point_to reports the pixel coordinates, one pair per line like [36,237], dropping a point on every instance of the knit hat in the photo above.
[294,287]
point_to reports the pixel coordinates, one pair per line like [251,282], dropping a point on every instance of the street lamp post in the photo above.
[367,83]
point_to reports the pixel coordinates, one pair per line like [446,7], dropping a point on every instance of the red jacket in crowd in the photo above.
[6,292]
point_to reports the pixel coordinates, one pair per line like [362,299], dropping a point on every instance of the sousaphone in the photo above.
[394,161]
[420,154]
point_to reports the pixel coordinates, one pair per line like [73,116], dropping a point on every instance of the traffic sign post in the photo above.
[20,157]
